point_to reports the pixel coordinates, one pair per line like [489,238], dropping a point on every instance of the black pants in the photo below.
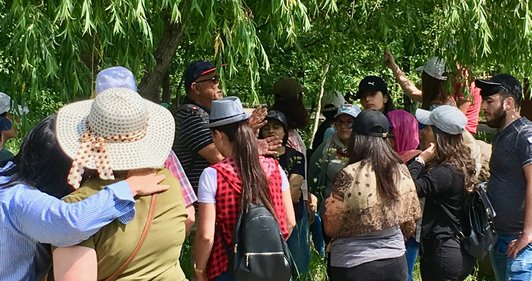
[445,260]
[393,269]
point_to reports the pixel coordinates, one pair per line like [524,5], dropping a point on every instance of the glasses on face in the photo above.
[215,79]
[347,124]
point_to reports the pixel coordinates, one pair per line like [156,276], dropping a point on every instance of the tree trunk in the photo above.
[318,110]
[166,88]
[152,80]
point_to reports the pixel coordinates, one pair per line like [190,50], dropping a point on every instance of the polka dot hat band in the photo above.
[92,146]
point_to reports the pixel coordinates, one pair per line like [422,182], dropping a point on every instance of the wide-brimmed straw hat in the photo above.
[118,130]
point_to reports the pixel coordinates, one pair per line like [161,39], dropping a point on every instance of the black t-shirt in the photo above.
[293,162]
[190,137]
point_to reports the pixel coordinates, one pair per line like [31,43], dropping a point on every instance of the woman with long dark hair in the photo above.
[444,173]
[243,173]
[31,211]
[372,197]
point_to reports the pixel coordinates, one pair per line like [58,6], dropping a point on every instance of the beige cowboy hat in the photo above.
[118,125]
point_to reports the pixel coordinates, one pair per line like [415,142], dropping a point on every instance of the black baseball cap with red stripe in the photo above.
[196,70]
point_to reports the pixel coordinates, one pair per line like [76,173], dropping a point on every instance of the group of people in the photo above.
[116,183]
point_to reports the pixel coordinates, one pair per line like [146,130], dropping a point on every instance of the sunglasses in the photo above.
[348,124]
[215,80]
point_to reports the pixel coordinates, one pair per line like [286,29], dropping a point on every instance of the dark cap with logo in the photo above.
[197,69]
[371,122]
[371,83]
[499,82]
[277,116]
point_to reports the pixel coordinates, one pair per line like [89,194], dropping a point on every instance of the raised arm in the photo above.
[408,87]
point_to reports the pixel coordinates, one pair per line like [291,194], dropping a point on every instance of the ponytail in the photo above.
[255,188]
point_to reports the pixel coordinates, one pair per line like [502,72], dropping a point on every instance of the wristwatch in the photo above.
[419,160]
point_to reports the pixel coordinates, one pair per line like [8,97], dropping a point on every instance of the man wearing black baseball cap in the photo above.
[510,185]
[193,143]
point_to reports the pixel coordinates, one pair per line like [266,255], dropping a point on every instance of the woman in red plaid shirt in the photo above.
[221,186]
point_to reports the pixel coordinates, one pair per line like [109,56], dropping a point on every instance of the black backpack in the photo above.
[259,251]
[479,235]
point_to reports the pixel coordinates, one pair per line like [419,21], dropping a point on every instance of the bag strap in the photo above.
[147,226]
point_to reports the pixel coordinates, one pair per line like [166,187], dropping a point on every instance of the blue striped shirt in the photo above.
[28,216]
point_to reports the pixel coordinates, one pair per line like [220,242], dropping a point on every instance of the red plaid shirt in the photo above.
[228,207]
[173,164]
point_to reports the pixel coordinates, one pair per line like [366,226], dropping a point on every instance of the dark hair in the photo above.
[450,149]
[41,163]
[384,161]
[255,188]
[329,114]
[294,110]
[388,106]
[503,91]
[433,90]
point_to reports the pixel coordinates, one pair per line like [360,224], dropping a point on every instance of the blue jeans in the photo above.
[505,268]
[299,244]
[317,235]
[412,248]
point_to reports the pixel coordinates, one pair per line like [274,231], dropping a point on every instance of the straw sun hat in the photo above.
[118,130]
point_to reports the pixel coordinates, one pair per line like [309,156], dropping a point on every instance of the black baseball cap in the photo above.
[494,84]
[197,69]
[371,122]
[371,83]
[277,116]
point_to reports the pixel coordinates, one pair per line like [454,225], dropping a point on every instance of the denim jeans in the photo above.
[412,248]
[317,235]
[505,268]
[299,244]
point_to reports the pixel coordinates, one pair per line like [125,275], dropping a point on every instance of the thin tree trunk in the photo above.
[166,88]
[152,80]
[318,109]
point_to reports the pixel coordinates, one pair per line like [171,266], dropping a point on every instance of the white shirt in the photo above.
[208,184]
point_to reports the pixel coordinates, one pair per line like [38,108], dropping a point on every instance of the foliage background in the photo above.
[52,50]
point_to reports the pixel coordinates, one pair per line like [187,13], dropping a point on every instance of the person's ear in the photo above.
[508,103]
[194,87]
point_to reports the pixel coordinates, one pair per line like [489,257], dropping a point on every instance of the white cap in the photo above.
[5,103]
[349,109]
[115,77]
[447,118]
[435,68]
[336,99]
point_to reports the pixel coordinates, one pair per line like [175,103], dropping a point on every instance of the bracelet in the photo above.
[419,160]
[197,270]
